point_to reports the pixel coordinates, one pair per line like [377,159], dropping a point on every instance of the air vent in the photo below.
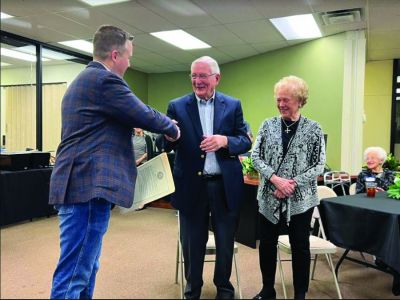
[341,16]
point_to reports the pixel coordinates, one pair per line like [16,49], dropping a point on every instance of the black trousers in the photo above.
[194,235]
[299,232]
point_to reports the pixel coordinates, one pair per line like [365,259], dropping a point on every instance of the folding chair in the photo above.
[210,250]
[318,245]
[335,179]
[352,189]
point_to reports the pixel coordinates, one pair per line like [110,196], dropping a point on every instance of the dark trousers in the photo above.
[194,236]
[299,232]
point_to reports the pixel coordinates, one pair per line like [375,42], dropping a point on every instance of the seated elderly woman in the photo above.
[374,158]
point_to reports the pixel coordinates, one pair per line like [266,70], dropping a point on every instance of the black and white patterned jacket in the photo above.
[303,162]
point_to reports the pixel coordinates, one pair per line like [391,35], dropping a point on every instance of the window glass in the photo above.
[18,96]
[58,72]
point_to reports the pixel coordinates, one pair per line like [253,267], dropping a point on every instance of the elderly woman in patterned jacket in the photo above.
[374,158]
[289,154]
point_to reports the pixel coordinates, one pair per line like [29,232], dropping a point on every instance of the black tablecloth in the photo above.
[370,225]
[24,195]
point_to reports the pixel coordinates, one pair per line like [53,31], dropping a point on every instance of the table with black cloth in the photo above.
[24,195]
[359,223]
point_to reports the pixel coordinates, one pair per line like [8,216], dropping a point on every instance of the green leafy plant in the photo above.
[392,163]
[248,167]
[394,190]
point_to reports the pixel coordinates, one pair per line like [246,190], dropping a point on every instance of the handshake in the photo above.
[177,136]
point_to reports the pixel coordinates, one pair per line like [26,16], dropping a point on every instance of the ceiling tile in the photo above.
[238,11]
[23,8]
[28,28]
[385,18]
[93,18]
[256,31]
[216,35]
[329,5]
[182,13]
[152,43]
[281,8]
[155,58]
[137,16]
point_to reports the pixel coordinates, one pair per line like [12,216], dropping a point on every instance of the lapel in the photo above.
[193,110]
[219,110]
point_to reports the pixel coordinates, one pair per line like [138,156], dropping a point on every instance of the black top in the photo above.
[288,132]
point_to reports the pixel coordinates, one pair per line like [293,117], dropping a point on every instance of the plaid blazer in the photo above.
[95,156]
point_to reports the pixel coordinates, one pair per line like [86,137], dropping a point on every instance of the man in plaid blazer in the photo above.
[95,166]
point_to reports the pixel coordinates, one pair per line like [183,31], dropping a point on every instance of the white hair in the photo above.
[382,155]
[208,60]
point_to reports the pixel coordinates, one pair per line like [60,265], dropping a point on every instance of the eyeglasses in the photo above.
[201,76]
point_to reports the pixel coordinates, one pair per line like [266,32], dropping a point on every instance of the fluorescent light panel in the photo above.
[80,45]
[19,55]
[3,64]
[180,39]
[4,16]
[102,2]
[297,27]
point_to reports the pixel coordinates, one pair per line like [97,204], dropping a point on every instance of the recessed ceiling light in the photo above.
[4,16]
[180,39]
[297,27]
[20,55]
[80,45]
[102,2]
[3,64]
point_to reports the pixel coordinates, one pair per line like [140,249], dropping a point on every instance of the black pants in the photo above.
[299,232]
[194,235]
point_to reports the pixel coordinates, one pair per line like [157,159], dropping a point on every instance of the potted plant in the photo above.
[392,163]
[394,190]
[248,168]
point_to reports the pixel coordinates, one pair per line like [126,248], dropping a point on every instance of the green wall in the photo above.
[319,62]
[137,81]
[378,104]
[167,86]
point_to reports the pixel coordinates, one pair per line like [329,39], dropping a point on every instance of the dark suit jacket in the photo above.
[95,157]
[189,159]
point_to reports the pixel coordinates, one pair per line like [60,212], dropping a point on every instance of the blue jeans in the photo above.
[82,227]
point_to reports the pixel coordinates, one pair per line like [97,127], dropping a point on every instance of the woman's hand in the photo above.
[283,185]
[278,194]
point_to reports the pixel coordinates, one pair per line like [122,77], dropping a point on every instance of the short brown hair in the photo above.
[107,38]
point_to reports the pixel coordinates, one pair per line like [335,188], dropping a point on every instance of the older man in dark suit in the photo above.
[95,165]
[208,174]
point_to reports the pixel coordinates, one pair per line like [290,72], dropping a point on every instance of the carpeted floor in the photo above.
[138,261]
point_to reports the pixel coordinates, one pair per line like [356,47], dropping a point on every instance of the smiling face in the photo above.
[373,161]
[288,105]
[204,87]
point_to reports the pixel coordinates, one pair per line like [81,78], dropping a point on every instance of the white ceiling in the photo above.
[234,28]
